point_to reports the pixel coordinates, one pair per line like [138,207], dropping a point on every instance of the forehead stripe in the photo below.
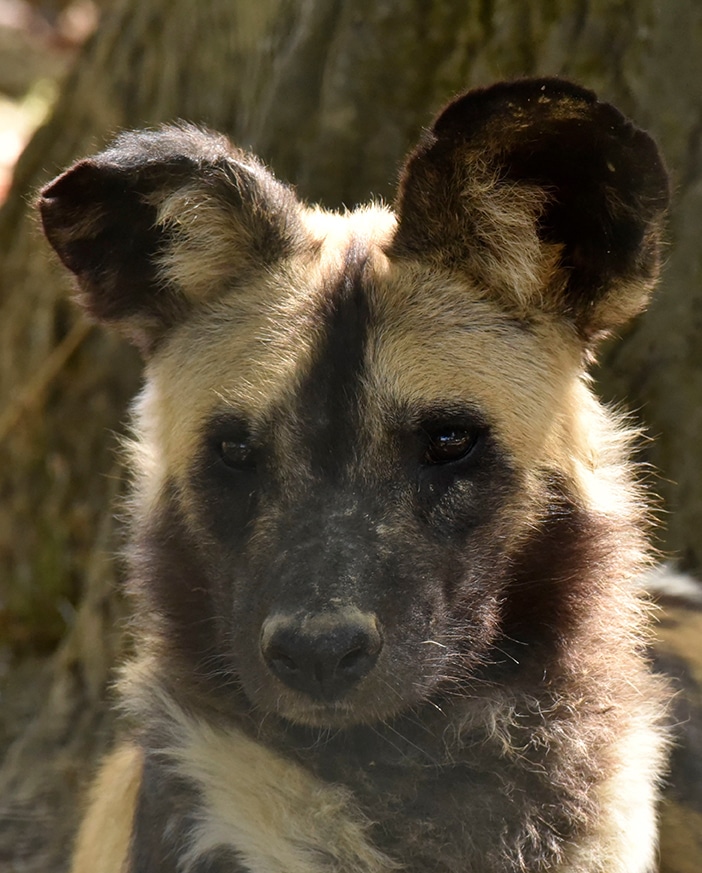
[328,405]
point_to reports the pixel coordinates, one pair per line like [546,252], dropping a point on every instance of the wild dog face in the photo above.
[366,449]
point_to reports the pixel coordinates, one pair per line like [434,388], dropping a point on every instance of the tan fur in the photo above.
[511,261]
[276,814]
[435,338]
[253,357]
[625,838]
[103,841]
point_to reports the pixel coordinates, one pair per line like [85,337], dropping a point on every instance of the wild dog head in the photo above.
[367,457]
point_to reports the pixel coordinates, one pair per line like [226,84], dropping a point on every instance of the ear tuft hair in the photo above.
[163,220]
[542,193]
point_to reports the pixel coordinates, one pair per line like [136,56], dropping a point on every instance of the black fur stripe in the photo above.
[328,406]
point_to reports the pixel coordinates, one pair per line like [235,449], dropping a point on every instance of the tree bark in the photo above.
[331,93]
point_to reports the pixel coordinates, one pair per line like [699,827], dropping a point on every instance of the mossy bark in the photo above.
[331,93]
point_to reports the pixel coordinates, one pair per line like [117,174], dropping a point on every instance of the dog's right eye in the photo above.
[449,444]
[237,454]
[231,442]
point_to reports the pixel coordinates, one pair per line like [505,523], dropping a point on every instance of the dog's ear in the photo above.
[162,221]
[544,195]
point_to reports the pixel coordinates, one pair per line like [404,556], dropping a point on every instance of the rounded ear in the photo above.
[163,220]
[544,196]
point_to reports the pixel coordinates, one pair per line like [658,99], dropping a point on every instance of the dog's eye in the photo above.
[448,444]
[237,454]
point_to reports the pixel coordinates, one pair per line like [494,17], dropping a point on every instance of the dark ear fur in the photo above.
[162,220]
[544,195]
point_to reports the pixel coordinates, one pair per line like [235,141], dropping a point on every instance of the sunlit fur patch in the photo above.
[627,803]
[276,814]
[438,341]
[434,339]
[105,833]
[252,346]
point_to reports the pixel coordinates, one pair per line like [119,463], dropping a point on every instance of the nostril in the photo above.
[281,662]
[351,660]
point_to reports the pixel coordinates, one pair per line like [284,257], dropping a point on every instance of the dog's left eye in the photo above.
[237,454]
[450,443]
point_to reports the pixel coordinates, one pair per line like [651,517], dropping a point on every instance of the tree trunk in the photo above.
[331,93]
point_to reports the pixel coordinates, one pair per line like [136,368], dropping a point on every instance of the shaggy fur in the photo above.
[384,538]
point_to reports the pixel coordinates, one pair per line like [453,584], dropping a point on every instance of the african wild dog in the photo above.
[383,537]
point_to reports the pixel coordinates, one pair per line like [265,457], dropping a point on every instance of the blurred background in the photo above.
[331,94]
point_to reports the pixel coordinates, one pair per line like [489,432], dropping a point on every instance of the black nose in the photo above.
[323,655]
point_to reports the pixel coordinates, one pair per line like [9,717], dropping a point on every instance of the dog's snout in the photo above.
[324,655]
